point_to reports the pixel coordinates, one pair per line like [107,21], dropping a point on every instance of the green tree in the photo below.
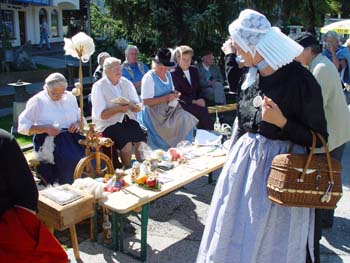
[156,23]
[203,24]
[310,13]
[105,30]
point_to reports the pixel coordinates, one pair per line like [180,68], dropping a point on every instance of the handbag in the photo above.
[302,180]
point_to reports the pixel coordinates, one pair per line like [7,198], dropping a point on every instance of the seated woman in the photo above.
[166,122]
[114,106]
[53,116]
[186,81]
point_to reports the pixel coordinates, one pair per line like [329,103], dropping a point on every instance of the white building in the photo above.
[22,18]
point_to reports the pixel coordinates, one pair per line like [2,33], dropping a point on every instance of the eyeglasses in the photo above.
[57,94]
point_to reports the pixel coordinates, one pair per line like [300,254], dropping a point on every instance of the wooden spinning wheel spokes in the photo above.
[85,167]
[95,163]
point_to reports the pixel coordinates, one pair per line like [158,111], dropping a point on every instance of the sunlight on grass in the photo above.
[6,123]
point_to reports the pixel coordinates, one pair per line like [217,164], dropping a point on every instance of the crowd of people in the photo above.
[286,88]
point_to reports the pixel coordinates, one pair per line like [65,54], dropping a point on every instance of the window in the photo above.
[54,23]
[7,23]
[42,15]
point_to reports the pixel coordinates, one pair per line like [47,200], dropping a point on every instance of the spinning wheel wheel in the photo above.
[95,163]
[85,167]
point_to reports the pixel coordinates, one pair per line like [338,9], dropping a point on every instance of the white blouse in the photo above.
[103,91]
[42,110]
[188,76]
[147,85]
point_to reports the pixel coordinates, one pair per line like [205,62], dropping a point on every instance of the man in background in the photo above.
[336,112]
[132,69]
[44,34]
[211,79]
[340,57]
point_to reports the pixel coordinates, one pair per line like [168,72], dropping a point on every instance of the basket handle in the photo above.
[331,179]
[309,158]
[328,155]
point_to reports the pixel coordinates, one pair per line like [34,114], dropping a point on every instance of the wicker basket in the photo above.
[305,181]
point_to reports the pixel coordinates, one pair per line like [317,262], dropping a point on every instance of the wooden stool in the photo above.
[60,217]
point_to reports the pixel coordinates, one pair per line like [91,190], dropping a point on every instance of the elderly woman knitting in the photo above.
[166,121]
[53,117]
[279,102]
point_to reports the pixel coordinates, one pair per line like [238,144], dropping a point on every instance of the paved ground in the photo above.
[177,221]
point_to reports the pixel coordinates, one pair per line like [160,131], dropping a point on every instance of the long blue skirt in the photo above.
[67,154]
[243,225]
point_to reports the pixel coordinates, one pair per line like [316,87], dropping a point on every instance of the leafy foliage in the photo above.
[104,30]
[153,24]
[309,13]
[203,24]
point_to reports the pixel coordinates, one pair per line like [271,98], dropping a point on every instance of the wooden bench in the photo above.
[222,108]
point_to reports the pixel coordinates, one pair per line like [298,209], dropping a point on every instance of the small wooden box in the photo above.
[61,217]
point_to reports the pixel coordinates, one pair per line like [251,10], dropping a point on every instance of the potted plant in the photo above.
[6,44]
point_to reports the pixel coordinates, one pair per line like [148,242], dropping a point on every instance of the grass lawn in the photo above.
[6,123]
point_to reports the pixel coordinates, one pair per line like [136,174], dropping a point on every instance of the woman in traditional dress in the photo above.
[53,116]
[166,121]
[186,81]
[114,107]
[279,102]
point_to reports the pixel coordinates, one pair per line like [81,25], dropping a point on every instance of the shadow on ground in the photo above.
[340,242]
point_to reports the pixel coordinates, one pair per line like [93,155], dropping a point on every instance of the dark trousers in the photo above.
[324,216]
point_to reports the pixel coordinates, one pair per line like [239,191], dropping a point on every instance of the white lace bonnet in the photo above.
[253,32]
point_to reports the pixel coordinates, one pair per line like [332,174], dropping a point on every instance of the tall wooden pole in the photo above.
[81,98]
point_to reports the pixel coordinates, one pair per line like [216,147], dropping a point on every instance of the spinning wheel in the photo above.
[95,163]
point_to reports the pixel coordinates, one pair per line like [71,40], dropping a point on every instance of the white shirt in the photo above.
[188,76]
[42,110]
[147,85]
[101,94]
[206,67]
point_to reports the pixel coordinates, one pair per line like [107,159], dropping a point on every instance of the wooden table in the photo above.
[134,199]
[60,217]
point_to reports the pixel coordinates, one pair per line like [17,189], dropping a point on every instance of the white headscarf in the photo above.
[253,32]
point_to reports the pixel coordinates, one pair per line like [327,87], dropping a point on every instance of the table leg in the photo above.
[75,245]
[92,228]
[210,178]
[144,223]
[121,227]
[93,232]
[115,230]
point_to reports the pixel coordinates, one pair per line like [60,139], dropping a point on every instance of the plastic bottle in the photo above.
[217,124]
[107,229]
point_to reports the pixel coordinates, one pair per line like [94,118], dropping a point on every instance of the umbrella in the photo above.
[341,27]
